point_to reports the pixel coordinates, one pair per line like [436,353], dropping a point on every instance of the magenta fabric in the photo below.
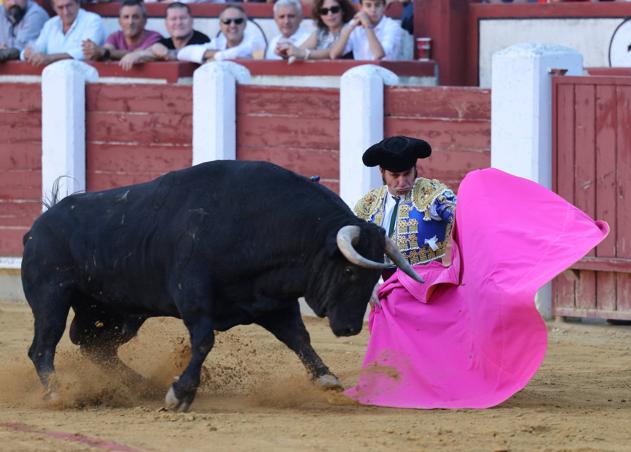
[471,336]
[117,40]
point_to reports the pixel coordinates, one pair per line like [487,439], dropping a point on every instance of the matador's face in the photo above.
[399,183]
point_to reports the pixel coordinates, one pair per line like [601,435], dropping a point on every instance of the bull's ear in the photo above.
[331,245]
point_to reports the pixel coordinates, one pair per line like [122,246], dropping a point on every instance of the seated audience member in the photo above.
[20,22]
[369,35]
[233,42]
[179,24]
[132,18]
[329,17]
[287,15]
[62,35]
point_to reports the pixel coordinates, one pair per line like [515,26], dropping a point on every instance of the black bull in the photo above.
[217,245]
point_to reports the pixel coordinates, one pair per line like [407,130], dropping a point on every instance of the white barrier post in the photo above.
[63,126]
[521,116]
[214,110]
[361,125]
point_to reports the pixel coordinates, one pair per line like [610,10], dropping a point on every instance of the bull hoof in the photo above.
[175,404]
[51,396]
[329,382]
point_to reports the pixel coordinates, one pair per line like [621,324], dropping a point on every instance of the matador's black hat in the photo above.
[396,153]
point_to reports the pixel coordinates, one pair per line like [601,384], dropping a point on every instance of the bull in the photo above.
[217,245]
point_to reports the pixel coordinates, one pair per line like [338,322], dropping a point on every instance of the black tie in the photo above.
[393,217]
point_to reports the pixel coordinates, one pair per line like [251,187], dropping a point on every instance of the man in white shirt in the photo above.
[287,15]
[236,40]
[61,36]
[369,35]
[20,22]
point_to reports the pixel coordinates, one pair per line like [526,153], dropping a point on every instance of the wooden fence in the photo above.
[137,132]
[592,169]
[20,163]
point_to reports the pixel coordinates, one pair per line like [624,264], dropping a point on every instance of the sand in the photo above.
[255,395]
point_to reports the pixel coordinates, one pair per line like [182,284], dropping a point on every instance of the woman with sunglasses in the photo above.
[329,17]
[233,42]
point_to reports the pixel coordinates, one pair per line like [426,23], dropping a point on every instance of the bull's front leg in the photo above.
[182,392]
[287,325]
[194,307]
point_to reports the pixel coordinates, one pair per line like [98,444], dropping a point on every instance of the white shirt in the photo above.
[53,40]
[252,42]
[387,211]
[388,33]
[296,39]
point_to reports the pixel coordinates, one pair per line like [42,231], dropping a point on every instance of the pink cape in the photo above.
[471,336]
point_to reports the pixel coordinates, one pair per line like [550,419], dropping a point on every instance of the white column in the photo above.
[521,117]
[521,107]
[63,126]
[361,125]
[214,110]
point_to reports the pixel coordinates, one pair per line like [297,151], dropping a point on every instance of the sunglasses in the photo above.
[238,21]
[332,10]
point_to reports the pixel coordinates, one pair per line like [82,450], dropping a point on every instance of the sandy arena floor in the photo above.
[255,396]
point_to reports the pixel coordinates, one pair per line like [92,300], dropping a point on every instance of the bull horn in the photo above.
[392,251]
[345,238]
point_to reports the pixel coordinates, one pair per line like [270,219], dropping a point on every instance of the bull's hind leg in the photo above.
[288,327]
[100,331]
[50,311]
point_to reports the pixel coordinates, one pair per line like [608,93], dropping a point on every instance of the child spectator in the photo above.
[369,35]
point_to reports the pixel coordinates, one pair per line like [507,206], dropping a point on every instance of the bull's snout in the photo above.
[347,331]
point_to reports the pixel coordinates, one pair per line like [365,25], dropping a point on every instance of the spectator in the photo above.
[370,35]
[20,22]
[132,18]
[179,24]
[62,35]
[233,41]
[329,16]
[287,15]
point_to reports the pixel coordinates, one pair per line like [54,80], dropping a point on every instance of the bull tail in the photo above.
[54,197]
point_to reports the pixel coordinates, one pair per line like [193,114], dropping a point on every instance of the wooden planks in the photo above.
[20,163]
[297,128]
[592,156]
[454,120]
[135,133]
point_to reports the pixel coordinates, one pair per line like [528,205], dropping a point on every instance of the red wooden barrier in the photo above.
[20,163]
[135,133]
[455,121]
[591,167]
[297,128]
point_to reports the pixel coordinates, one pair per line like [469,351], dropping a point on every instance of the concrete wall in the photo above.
[589,36]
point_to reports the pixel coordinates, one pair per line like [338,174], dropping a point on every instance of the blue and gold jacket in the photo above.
[424,218]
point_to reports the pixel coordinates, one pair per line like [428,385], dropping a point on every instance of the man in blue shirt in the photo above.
[20,22]
[61,36]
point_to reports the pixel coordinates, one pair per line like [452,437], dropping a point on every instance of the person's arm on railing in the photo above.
[339,47]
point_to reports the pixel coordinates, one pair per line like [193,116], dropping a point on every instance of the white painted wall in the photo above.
[63,126]
[361,126]
[214,110]
[521,117]
[590,37]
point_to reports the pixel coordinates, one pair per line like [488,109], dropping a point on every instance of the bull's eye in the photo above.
[350,273]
